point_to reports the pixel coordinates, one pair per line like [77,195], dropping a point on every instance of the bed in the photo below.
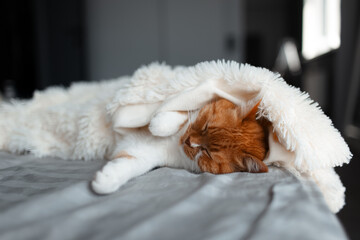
[50,198]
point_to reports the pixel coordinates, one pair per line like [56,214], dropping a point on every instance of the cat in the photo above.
[214,139]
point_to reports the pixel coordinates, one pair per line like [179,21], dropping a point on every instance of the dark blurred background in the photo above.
[314,44]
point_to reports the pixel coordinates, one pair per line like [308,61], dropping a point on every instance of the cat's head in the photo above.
[223,142]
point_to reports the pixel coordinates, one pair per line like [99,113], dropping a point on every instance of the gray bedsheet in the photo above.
[51,199]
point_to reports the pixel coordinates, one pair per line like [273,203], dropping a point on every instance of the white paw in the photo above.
[106,181]
[166,124]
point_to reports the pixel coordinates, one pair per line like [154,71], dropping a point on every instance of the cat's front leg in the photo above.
[166,124]
[118,171]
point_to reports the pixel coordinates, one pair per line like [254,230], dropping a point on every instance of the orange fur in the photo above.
[228,143]
[123,154]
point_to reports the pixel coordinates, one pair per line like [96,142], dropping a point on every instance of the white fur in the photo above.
[166,124]
[147,152]
[81,122]
[194,145]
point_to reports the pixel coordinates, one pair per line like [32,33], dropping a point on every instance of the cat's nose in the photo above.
[187,141]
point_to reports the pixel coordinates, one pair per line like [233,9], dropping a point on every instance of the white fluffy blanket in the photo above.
[80,122]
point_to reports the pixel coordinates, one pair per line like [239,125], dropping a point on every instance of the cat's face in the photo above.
[222,142]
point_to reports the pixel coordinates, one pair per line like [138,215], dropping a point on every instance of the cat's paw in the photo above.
[166,124]
[103,184]
[106,181]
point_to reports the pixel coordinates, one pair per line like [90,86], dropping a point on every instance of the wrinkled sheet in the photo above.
[50,199]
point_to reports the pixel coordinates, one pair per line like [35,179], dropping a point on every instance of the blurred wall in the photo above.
[268,24]
[59,43]
[350,21]
[41,45]
[123,35]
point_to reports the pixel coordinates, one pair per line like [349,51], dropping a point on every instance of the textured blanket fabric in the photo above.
[50,198]
[81,122]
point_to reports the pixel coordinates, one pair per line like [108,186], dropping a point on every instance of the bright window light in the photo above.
[321,27]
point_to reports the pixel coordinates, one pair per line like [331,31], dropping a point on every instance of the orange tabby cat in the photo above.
[225,141]
[218,141]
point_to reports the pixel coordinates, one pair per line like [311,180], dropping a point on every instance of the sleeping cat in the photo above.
[214,139]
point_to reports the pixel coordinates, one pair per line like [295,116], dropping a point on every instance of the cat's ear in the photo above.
[254,165]
[252,114]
